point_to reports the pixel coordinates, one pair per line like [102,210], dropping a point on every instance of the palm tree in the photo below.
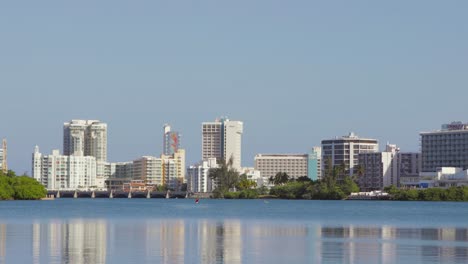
[279,178]
[225,176]
[339,172]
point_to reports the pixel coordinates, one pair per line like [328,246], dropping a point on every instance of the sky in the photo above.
[295,72]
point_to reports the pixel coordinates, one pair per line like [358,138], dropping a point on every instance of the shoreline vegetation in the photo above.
[452,194]
[316,190]
[23,187]
[231,185]
[335,185]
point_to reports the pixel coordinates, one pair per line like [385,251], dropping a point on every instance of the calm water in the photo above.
[232,231]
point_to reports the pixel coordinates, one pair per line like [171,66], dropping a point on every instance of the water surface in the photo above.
[232,231]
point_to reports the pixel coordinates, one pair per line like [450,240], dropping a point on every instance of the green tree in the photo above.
[263,190]
[348,186]
[11,174]
[161,188]
[304,179]
[6,191]
[27,188]
[244,183]
[225,176]
[280,178]
[330,174]
[339,172]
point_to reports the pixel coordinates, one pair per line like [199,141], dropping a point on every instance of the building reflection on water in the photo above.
[393,244]
[228,241]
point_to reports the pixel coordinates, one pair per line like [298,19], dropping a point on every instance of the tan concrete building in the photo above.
[295,165]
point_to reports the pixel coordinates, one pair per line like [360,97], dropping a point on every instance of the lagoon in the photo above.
[232,231]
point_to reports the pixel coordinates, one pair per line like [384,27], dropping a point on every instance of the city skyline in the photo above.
[294,74]
[244,163]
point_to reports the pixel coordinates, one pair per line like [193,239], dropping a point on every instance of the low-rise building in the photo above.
[444,177]
[256,176]
[113,184]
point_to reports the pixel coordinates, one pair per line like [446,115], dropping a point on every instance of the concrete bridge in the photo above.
[115,194]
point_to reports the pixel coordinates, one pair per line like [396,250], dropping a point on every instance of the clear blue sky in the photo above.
[295,72]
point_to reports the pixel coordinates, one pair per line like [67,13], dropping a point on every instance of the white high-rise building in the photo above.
[60,172]
[345,151]
[85,138]
[74,138]
[222,139]
[96,141]
[198,179]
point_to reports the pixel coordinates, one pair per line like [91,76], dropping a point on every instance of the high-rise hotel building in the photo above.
[447,147]
[222,139]
[85,138]
[345,151]
[294,165]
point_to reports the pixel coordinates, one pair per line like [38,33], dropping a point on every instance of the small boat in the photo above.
[196,201]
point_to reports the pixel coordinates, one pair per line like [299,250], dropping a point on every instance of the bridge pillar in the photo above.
[111,195]
[167,195]
[129,194]
[75,195]
[57,195]
[148,194]
[93,195]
